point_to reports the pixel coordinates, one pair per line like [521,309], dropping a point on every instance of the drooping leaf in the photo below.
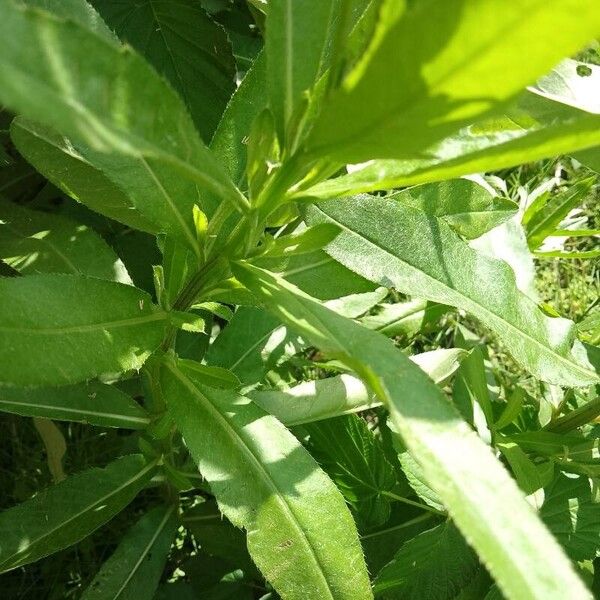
[448,271]
[37,242]
[311,401]
[55,158]
[572,514]
[433,68]
[404,318]
[435,565]
[135,568]
[149,150]
[300,533]
[483,500]
[66,513]
[533,129]
[469,208]
[354,458]
[185,45]
[93,403]
[59,329]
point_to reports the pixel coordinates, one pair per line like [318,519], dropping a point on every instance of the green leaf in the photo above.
[533,129]
[37,242]
[434,68]
[93,403]
[66,513]
[214,377]
[435,565]
[317,274]
[56,159]
[479,494]
[526,473]
[86,88]
[344,394]
[469,208]
[76,10]
[298,41]
[251,343]
[185,46]
[573,515]
[217,536]
[316,400]
[300,533]
[354,458]
[404,318]
[254,341]
[135,568]
[470,391]
[485,287]
[549,216]
[59,329]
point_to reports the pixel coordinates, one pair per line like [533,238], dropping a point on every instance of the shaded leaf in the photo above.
[185,45]
[36,242]
[134,569]
[68,512]
[435,565]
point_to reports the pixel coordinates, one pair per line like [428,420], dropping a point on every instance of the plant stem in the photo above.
[576,418]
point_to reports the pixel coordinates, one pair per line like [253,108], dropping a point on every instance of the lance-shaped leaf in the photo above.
[435,565]
[36,242]
[66,513]
[433,68]
[533,129]
[185,45]
[298,41]
[300,532]
[311,401]
[479,494]
[87,88]
[382,240]
[57,160]
[93,403]
[60,329]
[136,566]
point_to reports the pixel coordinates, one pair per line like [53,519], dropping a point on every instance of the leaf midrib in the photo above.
[158,316]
